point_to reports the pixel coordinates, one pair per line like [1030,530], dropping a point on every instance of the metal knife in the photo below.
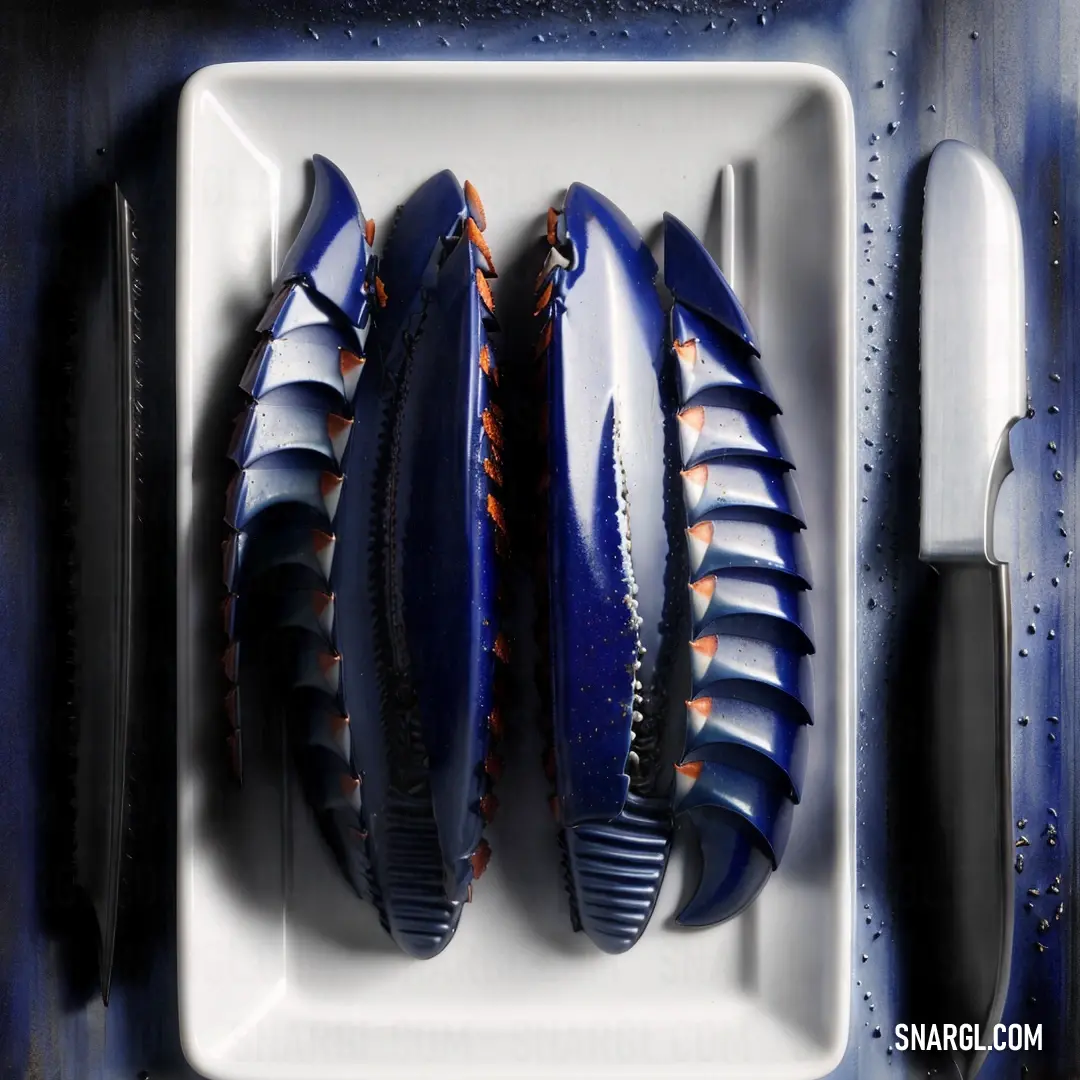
[104,505]
[973,389]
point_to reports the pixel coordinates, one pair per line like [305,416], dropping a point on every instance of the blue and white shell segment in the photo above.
[335,575]
[610,533]
[745,752]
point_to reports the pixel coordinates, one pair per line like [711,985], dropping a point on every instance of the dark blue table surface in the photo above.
[88,93]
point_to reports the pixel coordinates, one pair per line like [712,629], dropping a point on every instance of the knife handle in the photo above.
[970,782]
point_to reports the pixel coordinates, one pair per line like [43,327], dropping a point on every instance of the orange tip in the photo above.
[686,350]
[702,531]
[702,706]
[705,587]
[705,645]
[694,417]
[691,769]
[475,205]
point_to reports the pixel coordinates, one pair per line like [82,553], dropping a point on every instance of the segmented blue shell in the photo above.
[745,751]
[365,522]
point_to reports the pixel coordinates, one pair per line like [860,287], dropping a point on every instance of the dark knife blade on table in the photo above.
[104,513]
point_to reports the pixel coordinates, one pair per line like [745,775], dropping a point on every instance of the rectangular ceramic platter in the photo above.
[283,973]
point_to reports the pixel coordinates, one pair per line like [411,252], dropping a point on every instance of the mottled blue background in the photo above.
[88,93]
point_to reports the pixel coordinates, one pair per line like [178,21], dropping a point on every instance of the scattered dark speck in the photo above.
[874,136]
[974,35]
[931,108]
[877,196]
[880,84]
[1023,652]
[710,25]
[1052,446]
[1029,907]
[348,32]
[1051,634]
[868,467]
[1058,475]
[877,1033]
[1053,410]
[443,42]
[893,125]
[1031,628]
[1023,841]
[1055,218]
[101,151]
[892,52]
[539,39]
[872,177]
[1044,926]
[865,957]
[1055,581]
[1053,720]
[624,33]
[1020,863]
[1041,947]
[871,604]
[377,42]
[867,227]
[877,934]
[1023,721]
[1055,377]
[875,156]
[1051,737]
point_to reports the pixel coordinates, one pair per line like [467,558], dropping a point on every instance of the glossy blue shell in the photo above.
[361,562]
[751,698]
[609,535]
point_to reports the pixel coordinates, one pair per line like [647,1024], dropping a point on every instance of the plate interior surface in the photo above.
[283,973]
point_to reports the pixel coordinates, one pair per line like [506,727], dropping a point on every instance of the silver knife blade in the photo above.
[974,385]
[974,388]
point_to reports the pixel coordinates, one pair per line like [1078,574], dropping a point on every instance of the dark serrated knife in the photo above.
[104,511]
[974,388]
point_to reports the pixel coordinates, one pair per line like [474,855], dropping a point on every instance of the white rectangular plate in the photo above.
[283,973]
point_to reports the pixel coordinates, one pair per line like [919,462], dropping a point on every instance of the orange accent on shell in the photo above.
[491,467]
[706,586]
[328,482]
[686,350]
[552,226]
[349,361]
[369,230]
[495,512]
[703,531]
[491,428]
[380,292]
[691,769]
[339,724]
[349,786]
[476,238]
[702,706]
[705,645]
[489,805]
[699,475]
[495,723]
[320,540]
[501,648]
[484,289]
[320,601]
[475,205]
[485,360]
[694,417]
[480,859]
[544,298]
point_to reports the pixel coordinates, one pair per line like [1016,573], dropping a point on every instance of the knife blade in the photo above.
[104,505]
[973,389]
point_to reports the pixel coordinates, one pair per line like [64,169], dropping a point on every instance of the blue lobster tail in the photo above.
[610,426]
[615,869]
[331,252]
[746,744]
